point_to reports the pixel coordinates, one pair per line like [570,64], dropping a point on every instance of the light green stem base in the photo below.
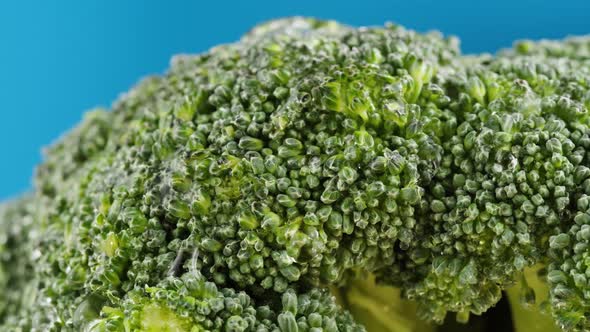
[380,308]
[530,317]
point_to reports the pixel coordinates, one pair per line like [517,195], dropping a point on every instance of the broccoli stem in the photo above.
[380,308]
[526,299]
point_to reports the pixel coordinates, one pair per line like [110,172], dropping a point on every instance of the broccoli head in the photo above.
[309,170]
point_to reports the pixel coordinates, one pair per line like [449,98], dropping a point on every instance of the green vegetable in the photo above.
[316,177]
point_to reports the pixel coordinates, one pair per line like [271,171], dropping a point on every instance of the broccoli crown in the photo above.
[229,193]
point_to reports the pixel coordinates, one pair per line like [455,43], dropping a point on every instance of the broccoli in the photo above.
[317,177]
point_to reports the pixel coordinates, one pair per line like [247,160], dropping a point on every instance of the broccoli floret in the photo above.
[509,175]
[277,158]
[233,192]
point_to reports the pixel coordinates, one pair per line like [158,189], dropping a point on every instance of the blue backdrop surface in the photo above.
[60,58]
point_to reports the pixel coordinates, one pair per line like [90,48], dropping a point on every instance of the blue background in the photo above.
[58,60]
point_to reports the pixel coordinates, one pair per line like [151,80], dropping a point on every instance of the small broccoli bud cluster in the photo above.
[568,271]
[191,304]
[576,48]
